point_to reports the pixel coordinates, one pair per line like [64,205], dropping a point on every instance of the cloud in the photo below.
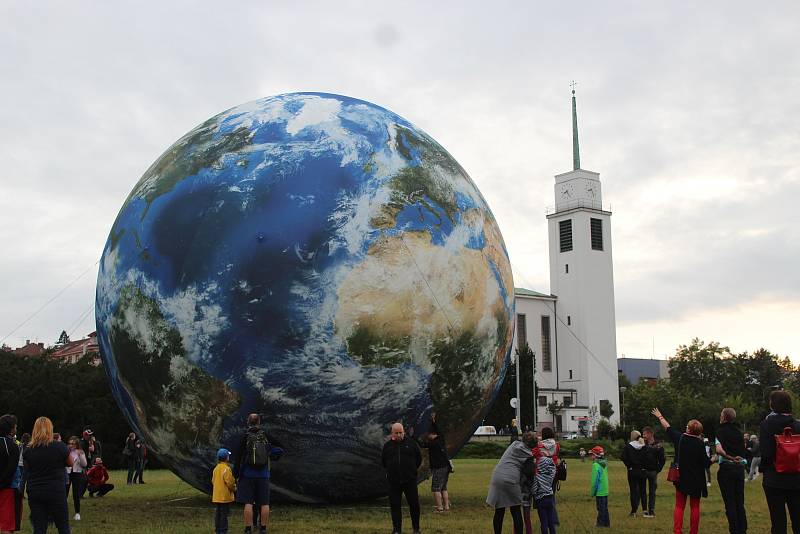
[690,123]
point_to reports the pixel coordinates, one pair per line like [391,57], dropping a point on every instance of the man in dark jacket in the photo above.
[252,487]
[731,450]
[633,456]
[654,461]
[401,458]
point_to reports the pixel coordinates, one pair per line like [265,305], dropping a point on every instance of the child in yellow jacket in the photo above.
[224,486]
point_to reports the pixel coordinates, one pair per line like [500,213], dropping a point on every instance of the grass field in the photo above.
[167,505]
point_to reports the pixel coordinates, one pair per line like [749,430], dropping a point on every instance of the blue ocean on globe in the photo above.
[316,259]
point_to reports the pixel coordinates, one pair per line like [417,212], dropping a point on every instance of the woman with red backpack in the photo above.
[780,462]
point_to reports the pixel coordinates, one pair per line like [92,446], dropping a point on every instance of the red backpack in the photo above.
[787,452]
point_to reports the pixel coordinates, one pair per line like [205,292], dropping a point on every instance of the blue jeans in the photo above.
[603,519]
[546,508]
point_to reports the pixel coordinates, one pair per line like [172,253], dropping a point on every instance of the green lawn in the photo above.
[167,505]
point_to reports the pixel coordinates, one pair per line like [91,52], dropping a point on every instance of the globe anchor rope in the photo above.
[54,297]
[422,275]
[79,321]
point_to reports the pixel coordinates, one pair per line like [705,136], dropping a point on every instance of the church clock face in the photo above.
[590,192]
[567,191]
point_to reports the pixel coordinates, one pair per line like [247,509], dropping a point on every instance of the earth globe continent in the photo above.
[318,260]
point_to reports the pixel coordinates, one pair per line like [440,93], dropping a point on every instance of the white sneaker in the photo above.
[77,517]
[708,484]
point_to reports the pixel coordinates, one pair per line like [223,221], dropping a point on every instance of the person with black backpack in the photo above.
[779,464]
[252,472]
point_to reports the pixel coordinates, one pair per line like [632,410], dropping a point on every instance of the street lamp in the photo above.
[622,406]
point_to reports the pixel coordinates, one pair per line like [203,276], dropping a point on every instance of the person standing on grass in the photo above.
[97,478]
[9,474]
[401,458]
[690,453]
[505,490]
[77,474]
[598,487]
[730,477]
[224,487]
[439,464]
[528,481]
[634,458]
[45,460]
[755,451]
[543,493]
[781,489]
[129,452]
[655,458]
[140,457]
[252,472]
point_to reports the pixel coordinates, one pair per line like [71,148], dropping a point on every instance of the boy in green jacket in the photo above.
[599,486]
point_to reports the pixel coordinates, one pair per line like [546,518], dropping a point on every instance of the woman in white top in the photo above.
[77,474]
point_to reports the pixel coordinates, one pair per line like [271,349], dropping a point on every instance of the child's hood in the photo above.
[601,462]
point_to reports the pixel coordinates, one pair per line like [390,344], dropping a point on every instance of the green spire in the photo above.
[576,153]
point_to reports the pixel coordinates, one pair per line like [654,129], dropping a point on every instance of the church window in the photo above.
[522,331]
[546,362]
[566,268]
[569,320]
[570,374]
[597,233]
[565,235]
[542,400]
[568,401]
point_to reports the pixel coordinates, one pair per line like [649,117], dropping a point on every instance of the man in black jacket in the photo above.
[401,458]
[654,460]
[731,449]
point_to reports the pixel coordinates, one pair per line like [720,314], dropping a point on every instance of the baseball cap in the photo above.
[597,450]
[223,454]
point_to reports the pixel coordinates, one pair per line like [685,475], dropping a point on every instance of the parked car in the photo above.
[486,431]
[570,435]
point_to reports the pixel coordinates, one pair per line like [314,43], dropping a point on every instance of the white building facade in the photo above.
[572,330]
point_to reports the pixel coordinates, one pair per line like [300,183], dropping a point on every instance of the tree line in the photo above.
[703,378]
[74,396]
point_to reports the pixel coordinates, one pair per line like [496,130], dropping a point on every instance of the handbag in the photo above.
[674,472]
[787,452]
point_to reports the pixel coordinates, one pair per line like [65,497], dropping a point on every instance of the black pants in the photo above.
[47,507]
[412,498]
[516,516]
[77,481]
[730,478]
[221,511]
[778,500]
[100,490]
[652,484]
[131,462]
[637,482]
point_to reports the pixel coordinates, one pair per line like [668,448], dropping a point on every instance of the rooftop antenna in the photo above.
[576,154]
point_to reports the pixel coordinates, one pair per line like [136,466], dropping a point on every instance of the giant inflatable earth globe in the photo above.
[316,259]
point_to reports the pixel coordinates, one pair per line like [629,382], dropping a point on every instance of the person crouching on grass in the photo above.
[224,486]
[599,485]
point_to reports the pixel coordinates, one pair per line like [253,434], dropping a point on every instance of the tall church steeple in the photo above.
[576,153]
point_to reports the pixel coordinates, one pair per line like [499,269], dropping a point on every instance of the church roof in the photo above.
[522,292]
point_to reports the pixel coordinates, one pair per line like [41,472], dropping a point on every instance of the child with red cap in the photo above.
[599,485]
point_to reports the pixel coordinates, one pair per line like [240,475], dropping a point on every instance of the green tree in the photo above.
[555,408]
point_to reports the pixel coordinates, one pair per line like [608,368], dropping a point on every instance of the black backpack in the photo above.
[561,471]
[257,449]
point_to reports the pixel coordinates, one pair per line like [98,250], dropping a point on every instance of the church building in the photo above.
[572,330]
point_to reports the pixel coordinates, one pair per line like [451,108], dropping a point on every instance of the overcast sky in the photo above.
[689,112]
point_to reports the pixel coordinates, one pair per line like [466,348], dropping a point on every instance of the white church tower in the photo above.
[582,279]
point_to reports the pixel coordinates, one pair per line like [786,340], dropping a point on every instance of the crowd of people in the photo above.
[526,477]
[43,468]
